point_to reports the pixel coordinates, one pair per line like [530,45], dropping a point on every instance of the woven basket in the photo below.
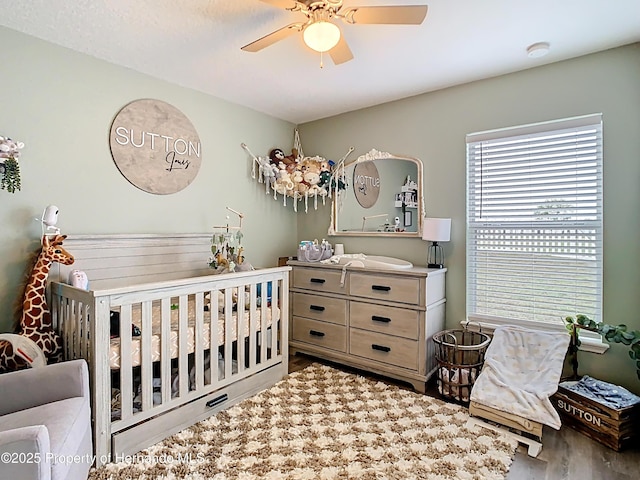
[460,356]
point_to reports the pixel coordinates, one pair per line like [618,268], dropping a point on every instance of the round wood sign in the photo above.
[366,184]
[155,146]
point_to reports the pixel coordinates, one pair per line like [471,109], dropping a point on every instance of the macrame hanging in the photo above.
[297,176]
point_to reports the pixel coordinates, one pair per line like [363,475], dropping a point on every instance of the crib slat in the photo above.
[228,328]
[78,340]
[84,331]
[183,350]
[71,329]
[213,336]
[63,309]
[274,318]
[263,322]
[199,340]
[241,324]
[165,349]
[126,376]
[253,321]
[146,367]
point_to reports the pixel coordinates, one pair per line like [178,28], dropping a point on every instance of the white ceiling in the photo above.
[196,44]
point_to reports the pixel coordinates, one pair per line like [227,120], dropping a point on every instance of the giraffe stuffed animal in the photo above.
[35,323]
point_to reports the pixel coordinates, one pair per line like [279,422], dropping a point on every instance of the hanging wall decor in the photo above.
[298,177]
[9,168]
[155,146]
[366,184]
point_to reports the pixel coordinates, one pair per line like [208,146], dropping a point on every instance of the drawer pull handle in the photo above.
[317,308]
[381,348]
[316,333]
[382,288]
[317,280]
[217,401]
[376,318]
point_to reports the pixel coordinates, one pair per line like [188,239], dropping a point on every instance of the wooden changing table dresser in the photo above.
[377,320]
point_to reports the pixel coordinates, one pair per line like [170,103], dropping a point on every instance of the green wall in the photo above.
[61,104]
[433,126]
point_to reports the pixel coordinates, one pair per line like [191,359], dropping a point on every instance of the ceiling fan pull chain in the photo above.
[321,64]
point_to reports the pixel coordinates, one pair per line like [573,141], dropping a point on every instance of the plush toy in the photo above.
[339,181]
[311,172]
[268,171]
[277,155]
[284,183]
[298,182]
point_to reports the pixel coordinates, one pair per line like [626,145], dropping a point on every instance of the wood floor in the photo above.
[566,454]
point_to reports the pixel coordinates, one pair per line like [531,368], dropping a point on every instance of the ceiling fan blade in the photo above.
[286,4]
[341,53]
[273,37]
[398,15]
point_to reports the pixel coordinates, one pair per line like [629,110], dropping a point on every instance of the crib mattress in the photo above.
[136,314]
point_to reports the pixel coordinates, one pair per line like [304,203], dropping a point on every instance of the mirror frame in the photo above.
[370,156]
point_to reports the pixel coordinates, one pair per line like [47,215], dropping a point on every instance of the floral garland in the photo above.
[9,168]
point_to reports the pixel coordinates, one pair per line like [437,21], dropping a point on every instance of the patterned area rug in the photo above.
[322,423]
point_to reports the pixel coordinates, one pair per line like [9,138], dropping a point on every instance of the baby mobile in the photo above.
[297,176]
[227,249]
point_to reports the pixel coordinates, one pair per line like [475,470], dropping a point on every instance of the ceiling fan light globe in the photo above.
[321,36]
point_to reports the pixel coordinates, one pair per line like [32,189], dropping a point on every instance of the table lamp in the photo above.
[436,230]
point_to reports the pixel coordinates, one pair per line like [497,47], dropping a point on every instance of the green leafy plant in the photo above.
[611,333]
[10,175]
[9,168]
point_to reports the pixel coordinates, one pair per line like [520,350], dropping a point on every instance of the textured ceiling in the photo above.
[196,44]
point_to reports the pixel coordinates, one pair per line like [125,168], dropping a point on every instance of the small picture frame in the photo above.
[407,218]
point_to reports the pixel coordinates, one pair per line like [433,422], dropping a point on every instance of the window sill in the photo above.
[592,344]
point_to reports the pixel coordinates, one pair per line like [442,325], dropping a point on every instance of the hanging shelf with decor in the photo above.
[297,176]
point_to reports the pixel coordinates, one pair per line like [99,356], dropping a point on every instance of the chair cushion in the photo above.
[66,420]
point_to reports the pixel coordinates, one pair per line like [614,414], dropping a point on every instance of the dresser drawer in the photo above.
[388,320]
[332,310]
[323,334]
[397,351]
[385,287]
[318,279]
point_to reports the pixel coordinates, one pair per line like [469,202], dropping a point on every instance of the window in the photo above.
[534,222]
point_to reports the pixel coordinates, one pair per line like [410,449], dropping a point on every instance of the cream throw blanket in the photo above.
[521,371]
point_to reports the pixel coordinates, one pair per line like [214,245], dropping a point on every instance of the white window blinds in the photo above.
[534,222]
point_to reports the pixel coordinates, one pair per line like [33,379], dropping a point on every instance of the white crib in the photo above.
[204,341]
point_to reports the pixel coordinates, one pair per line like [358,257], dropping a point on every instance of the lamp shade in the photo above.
[436,229]
[321,36]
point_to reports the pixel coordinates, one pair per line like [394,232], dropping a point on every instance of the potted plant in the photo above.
[9,168]
[602,411]
[611,333]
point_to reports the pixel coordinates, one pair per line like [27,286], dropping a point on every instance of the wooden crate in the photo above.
[615,428]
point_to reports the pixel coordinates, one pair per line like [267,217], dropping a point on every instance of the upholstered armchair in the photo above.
[45,423]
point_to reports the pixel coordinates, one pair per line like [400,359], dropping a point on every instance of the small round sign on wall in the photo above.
[366,184]
[155,146]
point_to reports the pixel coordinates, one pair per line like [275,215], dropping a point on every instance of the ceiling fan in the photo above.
[323,35]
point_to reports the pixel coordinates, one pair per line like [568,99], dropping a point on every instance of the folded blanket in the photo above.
[521,371]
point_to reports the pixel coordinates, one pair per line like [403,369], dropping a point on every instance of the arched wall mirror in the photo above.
[383,197]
